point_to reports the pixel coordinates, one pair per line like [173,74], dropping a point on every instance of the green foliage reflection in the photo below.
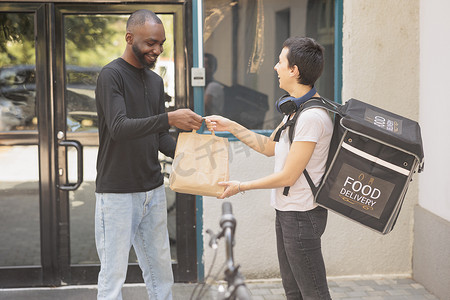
[95,40]
[90,40]
[16,39]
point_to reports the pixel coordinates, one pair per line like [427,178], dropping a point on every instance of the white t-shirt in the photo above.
[313,125]
[217,95]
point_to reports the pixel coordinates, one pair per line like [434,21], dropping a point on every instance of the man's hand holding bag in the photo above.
[200,163]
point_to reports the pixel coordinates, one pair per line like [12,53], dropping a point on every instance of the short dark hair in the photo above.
[139,17]
[212,61]
[308,56]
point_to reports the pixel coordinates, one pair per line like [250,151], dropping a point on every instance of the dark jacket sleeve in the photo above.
[111,101]
[167,143]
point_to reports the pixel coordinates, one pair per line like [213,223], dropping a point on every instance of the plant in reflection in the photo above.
[95,40]
[90,42]
[16,39]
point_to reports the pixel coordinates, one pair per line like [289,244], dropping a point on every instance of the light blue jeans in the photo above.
[138,220]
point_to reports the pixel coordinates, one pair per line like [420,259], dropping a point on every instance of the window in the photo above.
[17,72]
[242,41]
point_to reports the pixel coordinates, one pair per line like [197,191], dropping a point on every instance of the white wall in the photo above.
[255,246]
[381,67]
[435,105]
[431,266]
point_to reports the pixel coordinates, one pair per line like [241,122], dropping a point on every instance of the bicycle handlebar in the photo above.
[227,209]
[227,220]
[236,283]
[228,224]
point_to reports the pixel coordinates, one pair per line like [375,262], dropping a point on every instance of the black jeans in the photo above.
[300,255]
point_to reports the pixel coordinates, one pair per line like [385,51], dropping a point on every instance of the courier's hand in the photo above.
[231,188]
[218,123]
[185,119]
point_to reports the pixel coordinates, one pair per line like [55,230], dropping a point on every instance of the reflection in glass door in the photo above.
[19,206]
[17,72]
[50,57]
[28,251]
[87,38]
[19,165]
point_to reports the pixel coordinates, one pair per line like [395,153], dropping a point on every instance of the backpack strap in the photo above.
[314,102]
[313,187]
[289,123]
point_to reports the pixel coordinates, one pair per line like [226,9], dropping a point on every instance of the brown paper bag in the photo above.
[201,161]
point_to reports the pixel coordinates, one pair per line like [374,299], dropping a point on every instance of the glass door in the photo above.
[87,38]
[27,214]
[50,57]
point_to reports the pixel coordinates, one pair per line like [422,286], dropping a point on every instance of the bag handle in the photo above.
[195,131]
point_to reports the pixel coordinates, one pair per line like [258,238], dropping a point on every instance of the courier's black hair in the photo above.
[308,56]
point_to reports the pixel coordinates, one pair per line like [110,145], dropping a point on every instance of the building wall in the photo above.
[255,247]
[434,99]
[431,264]
[381,67]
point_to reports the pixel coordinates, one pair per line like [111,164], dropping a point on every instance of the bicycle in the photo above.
[236,288]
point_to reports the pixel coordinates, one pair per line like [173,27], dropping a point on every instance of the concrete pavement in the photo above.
[340,288]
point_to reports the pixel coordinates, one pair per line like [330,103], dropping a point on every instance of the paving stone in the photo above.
[363,288]
[278,291]
[373,298]
[357,294]
[408,281]
[397,292]
[347,283]
[338,295]
[417,286]
[385,281]
[377,293]
[381,287]
[401,289]
[418,297]
[332,283]
[341,289]
[261,291]
[366,282]
[274,297]
[421,291]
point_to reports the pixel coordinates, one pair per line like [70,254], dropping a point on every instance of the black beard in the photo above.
[141,58]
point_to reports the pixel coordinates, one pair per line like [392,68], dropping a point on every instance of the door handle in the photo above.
[73,186]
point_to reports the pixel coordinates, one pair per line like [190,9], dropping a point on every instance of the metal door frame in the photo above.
[55,269]
[46,274]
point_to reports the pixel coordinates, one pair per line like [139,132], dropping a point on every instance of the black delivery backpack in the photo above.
[373,156]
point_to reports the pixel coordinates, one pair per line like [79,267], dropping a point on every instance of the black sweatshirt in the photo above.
[133,127]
